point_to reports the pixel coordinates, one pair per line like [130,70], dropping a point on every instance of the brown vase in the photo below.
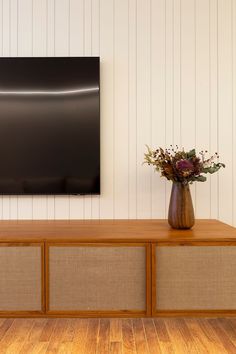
[181,213]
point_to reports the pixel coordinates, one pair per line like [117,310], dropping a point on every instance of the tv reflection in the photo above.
[55,141]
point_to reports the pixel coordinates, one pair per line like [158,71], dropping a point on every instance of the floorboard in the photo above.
[118,336]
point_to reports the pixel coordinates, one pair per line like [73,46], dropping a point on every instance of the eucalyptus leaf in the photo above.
[200,178]
[191,153]
[214,168]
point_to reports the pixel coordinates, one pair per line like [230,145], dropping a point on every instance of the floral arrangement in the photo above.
[182,166]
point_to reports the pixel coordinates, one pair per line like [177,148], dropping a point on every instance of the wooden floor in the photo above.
[139,336]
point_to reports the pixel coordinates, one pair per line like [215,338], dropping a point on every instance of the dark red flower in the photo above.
[186,167]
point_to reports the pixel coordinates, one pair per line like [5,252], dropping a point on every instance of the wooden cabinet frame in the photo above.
[116,233]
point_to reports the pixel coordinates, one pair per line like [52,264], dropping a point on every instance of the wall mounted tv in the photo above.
[49,125]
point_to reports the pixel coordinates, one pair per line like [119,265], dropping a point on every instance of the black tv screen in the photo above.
[49,125]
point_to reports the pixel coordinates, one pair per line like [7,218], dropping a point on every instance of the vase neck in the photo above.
[181,183]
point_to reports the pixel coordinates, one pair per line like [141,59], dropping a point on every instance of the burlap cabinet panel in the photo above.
[195,277]
[93,278]
[20,278]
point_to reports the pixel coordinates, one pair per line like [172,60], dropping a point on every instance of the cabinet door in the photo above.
[97,278]
[21,277]
[195,278]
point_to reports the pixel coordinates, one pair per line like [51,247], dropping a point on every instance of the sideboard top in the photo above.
[114,231]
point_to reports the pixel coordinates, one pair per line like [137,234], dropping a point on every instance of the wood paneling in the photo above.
[225,107]
[121,109]
[167,76]
[202,98]
[233,23]
[213,106]
[144,126]
[158,101]
[106,16]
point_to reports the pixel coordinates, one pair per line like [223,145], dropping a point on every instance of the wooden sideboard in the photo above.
[122,268]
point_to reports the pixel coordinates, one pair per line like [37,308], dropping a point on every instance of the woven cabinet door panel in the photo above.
[20,278]
[92,278]
[196,278]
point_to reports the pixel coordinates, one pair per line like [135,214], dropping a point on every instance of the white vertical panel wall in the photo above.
[168,76]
